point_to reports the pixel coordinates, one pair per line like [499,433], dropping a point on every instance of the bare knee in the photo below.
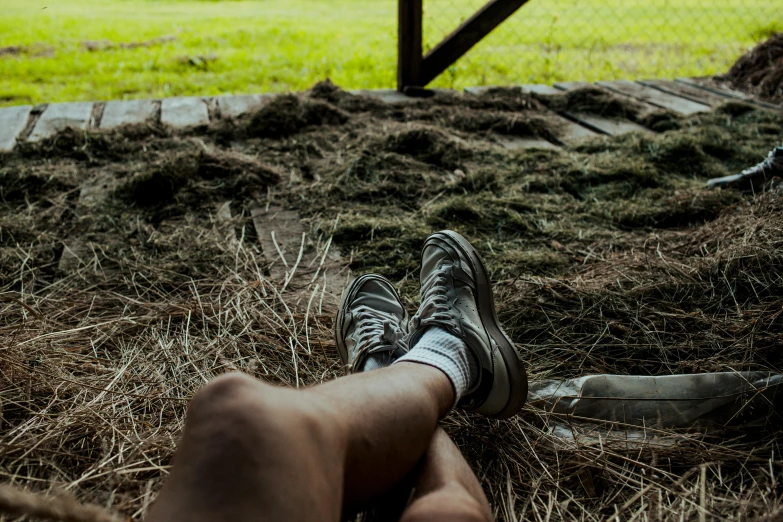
[225,394]
[453,504]
[247,411]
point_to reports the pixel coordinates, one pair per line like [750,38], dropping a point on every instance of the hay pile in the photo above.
[608,257]
[760,71]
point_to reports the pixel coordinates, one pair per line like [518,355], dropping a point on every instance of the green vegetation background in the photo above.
[61,50]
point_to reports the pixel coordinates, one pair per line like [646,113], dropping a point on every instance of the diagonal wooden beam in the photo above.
[466,36]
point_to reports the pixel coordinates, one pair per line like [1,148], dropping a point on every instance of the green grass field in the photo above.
[56,50]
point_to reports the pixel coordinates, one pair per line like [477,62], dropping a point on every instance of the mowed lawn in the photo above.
[64,50]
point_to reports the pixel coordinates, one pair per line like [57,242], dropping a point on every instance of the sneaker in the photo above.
[770,167]
[456,295]
[371,320]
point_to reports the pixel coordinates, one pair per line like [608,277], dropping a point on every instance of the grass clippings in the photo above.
[760,71]
[610,256]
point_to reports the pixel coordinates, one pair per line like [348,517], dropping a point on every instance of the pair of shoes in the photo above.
[771,166]
[456,296]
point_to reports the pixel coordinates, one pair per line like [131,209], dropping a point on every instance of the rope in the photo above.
[17,502]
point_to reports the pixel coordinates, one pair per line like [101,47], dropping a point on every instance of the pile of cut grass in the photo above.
[609,256]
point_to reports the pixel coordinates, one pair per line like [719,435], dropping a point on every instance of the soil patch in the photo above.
[105,45]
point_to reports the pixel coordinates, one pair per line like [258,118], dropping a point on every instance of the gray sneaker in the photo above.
[371,320]
[757,174]
[456,295]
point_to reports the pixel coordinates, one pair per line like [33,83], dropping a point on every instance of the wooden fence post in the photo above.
[409,47]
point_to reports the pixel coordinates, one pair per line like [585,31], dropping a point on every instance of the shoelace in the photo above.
[376,331]
[434,309]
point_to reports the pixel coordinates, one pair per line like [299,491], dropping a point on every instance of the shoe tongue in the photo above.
[377,297]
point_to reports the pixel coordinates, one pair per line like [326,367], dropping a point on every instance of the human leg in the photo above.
[252,451]
[447,490]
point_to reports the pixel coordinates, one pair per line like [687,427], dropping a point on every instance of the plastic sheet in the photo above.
[727,399]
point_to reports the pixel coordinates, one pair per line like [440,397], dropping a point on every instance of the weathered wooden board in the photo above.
[570,86]
[122,112]
[655,97]
[294,259]
[573,132]
[386,95]
[600,124]
[725,91]
[538,88]
[58,116]
[610,126]
[233,106]
[77,252]
[13,120]
[686,91]
[515,143]
[224,227]
[184,112]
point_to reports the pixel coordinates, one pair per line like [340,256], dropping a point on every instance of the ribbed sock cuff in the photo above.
[446,352]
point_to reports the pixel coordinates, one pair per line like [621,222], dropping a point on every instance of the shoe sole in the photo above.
[348,295]
[485,301]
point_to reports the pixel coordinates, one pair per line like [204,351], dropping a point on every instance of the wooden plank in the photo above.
[122,112]
[234,106]
[386,95]
[296,260]
[224,226]
[572,133]
[409,46]
[600,124]
[571,86]
[609,126]
[279,232]
[76,252]
[468,34]
[686,91]
[727,92]
[539,88]
[516,143]
[184,112]
[58,116]
[655,97]
[13,120]
[532,88]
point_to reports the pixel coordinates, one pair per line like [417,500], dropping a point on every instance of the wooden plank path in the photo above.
[296,261]
[58,116]
[655,97]
[184,112]
[600,124]
[123,112]
[13,121]
[722,90]
[684,96]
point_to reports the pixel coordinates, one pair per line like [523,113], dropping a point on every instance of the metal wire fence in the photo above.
[559,40]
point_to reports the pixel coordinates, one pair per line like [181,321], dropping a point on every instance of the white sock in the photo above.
[446,352]
[375,361]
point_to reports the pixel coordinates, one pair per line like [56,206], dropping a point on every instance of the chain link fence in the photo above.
[547,41]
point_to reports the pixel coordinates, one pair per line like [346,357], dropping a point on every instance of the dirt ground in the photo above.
[609,256]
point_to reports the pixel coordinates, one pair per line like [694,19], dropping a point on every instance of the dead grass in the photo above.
[607,257]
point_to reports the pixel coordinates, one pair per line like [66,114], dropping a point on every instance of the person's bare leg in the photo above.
[447,490]
[252,451]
